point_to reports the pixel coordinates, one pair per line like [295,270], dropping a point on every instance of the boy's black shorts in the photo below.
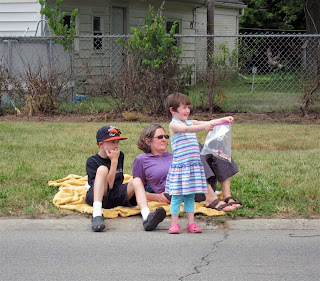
[117,196]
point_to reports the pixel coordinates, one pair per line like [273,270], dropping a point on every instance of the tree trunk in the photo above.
[312,10]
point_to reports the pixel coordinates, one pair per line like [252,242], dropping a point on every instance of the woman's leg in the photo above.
[211,196]
[226,191]
[225,186]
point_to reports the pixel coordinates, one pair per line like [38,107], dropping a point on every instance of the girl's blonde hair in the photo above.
[147,133]
[174,100]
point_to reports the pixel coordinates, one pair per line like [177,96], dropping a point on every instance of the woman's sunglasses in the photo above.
[161,137]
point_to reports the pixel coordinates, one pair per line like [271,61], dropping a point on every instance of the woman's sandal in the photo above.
[193,228]
[235,202]
[224,207]
[174,229]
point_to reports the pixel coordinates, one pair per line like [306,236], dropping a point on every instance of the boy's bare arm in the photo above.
[113,156]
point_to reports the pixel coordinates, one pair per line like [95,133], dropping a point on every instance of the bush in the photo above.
[152,68]
[38,88]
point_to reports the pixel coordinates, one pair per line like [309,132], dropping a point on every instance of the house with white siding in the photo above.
[19,17]
[117,17]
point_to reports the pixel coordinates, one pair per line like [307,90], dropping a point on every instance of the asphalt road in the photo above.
[67,249]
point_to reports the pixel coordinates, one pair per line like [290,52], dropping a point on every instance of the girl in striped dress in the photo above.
[186,174]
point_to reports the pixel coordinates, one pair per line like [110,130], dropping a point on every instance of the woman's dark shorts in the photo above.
[217,170]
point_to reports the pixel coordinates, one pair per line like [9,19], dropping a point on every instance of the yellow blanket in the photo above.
[72,195]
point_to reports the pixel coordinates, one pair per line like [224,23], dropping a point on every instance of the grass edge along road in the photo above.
[279,165]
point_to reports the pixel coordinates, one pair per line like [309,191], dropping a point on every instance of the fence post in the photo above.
[50,54]
[9,56]
[210,29]
[73,94]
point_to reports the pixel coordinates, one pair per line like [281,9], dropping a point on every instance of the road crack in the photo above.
[205,260]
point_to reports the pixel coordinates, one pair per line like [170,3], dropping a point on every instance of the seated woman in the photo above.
[152,168]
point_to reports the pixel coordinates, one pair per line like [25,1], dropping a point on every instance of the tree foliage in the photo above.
[57,24]
[154,68]
[274,15]
[151,44]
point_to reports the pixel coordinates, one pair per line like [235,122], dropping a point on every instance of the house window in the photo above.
[177,29]
[97,41]
[67,21]
[170,24]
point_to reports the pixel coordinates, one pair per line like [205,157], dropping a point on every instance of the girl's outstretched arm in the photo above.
[223,120]
[197,127]
[228,119]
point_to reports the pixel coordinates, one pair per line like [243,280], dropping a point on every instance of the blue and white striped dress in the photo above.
[186,174]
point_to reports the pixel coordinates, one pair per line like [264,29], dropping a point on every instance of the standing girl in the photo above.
[186,174]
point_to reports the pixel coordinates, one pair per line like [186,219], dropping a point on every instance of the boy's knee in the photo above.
[136,182]
[102,171]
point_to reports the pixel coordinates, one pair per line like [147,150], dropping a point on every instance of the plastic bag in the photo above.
[218,142]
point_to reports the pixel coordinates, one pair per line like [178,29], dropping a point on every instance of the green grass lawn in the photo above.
[90,106]
[279,165]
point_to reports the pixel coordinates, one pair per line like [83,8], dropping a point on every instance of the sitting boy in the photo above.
[105,177]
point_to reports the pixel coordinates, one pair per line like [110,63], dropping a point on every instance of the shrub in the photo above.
[152,68]
[40,88]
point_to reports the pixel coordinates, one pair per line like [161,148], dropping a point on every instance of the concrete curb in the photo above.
[274,224]
[135,224]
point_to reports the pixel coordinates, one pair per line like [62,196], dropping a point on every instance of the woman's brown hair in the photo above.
[147,133]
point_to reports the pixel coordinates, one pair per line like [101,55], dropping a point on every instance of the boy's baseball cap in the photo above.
[109,133]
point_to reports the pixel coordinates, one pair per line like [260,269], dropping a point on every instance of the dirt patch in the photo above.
[288,118]
[272,117]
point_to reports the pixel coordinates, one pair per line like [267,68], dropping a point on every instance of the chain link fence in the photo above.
[262,73]
[256,73]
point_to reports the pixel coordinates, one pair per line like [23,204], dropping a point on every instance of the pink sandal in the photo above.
[174,229]
[193,228]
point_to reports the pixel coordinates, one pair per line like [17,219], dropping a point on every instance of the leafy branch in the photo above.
[152,45]
[57,23]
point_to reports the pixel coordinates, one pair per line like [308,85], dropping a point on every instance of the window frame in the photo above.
[97,33]
[68,13]
[172,21]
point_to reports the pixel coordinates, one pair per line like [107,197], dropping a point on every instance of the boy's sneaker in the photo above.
[154,218]
[98,223]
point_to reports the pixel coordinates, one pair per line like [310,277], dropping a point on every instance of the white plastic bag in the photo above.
[218,142]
